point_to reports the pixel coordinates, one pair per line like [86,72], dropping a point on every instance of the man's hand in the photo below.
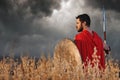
[107,48]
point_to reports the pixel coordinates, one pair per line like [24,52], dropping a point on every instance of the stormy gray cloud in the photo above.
[108,4]
[17,26]
[18,14]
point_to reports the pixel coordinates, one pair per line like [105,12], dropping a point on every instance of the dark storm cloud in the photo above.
[44,7]
[36,6]
[13,13]
[109,4]
[16,21]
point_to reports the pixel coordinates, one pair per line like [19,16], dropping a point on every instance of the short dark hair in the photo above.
[84,17]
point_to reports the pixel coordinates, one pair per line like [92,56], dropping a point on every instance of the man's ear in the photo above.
[84,23]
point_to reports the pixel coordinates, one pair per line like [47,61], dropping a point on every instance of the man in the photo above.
[88,41]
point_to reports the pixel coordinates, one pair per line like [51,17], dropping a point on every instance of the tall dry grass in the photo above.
[48,68]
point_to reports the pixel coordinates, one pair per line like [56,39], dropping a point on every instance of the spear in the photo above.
[104,30]
[104,24]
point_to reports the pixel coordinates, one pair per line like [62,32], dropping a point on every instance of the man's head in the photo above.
[82,21]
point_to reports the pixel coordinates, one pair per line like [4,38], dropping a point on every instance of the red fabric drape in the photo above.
[86,42]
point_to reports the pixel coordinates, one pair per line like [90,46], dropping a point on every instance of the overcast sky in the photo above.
[35,26]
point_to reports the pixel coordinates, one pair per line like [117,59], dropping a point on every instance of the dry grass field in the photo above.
[58,67]
[49,69]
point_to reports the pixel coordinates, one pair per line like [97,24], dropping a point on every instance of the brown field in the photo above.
[49,69]
[55,68]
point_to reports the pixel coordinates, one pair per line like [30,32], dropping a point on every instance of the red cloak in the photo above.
[86,42]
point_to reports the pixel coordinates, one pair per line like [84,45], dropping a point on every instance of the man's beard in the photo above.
[81,29]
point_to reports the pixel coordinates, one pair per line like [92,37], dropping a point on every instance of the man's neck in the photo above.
[88,29]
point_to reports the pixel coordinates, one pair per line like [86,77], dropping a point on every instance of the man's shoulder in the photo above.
[95,32]
[96,35]
[79,35]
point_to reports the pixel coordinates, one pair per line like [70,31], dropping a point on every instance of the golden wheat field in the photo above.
[55,68]
[48,69]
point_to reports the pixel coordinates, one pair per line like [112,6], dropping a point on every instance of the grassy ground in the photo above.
[50,69]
